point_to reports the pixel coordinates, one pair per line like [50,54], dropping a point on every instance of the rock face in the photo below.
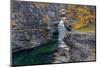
[81,46]
[33,24]
[62,54]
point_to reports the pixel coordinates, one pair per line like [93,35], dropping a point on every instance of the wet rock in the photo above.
[62,54]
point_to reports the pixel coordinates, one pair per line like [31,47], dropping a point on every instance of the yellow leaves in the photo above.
[77,26]
[82,10]
[84,15]
[69,13]
[71,10]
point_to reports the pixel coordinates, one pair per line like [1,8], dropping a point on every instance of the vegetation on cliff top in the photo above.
[85,15]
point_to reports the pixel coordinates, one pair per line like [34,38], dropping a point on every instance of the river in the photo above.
[42,54]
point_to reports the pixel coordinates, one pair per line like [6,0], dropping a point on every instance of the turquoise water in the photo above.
[38,55]
[43,54]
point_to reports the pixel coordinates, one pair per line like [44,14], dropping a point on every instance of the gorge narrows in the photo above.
[62,54]
[47,33]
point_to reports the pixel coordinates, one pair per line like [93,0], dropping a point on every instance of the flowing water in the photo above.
[62,32]
[42,54]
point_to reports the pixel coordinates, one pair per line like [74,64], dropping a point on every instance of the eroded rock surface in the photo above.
[81,46]
[33,24]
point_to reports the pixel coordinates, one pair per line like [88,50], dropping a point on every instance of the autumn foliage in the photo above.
[84,14]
